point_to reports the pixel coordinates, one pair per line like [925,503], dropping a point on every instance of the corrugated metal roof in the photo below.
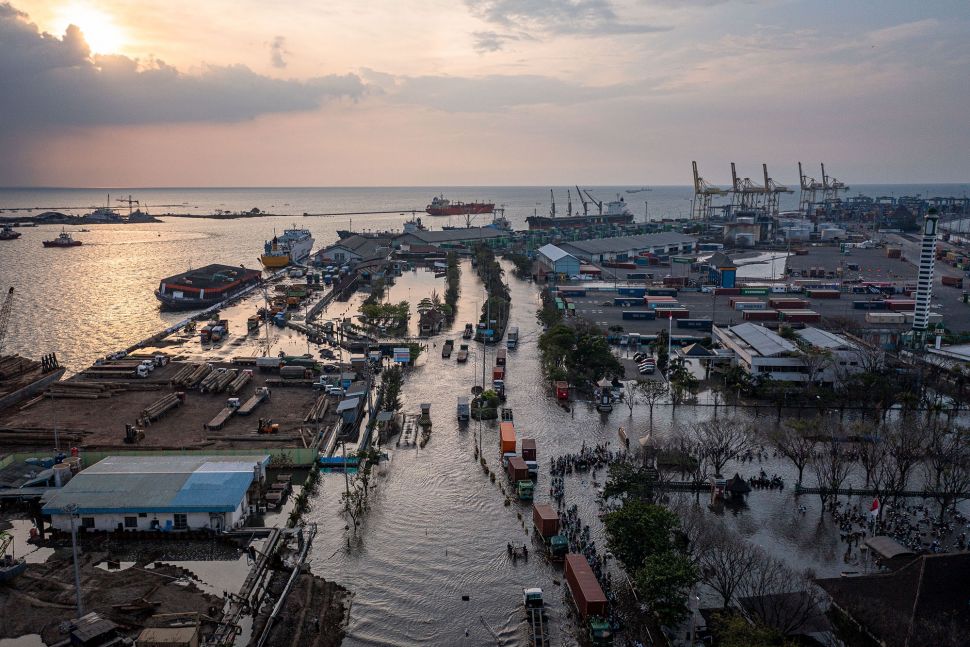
[627,243]
[823,339]
[554,253]
[120,484]
[347,405]
[764,341]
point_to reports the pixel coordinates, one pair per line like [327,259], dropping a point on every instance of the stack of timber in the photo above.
[159,408]
[14,365]
[241,380]
[191,375]
[80,390]
[37,436]
[318,410]
[218,380]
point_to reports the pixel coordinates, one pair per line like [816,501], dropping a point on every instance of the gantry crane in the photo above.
[703,193]
[5,311]
[129,201]
[831,186]
[772,192]
[583,200]
[747,194]
[809,192]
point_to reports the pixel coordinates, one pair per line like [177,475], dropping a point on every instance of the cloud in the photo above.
[278,51]
[558,17]
[490,41]
[49,80]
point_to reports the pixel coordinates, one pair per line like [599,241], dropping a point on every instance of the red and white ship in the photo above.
[441,207]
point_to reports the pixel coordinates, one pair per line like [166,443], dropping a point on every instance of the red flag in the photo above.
[874,508]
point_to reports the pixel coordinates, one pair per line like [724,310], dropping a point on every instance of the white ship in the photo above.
[292,247]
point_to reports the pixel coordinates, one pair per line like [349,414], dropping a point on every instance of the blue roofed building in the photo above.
[164,493]
[553,260]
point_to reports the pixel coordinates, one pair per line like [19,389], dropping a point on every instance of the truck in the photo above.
[462,354]
[262,394]
[270,363]
[498,373]
[588,597]
[447,348]
[499,387]
[545,520]
[512,337]
[535,610]
[464,411]
[468,332]
[506,433]
[500,356]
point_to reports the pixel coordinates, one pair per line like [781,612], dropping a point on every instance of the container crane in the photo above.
[585,204]
[703,193]
[552,211]
[809,191]
[747,194]
[5,311]
[128,201]
[831,186]
[772,192]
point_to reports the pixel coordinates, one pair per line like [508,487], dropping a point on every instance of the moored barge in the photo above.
[205,286]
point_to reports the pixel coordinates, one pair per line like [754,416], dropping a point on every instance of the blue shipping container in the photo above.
[870,305]
[626,302]
[704,325]
[662,292]
[632,292]
[639,314]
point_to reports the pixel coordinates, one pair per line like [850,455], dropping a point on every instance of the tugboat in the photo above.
[10,566]
[63,240]
[7,233]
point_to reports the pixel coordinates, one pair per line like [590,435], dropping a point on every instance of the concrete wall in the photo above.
[195,520]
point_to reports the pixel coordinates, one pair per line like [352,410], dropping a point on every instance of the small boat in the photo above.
[7,233]
[63,239]
[10,566]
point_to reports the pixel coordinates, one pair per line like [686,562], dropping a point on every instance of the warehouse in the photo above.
[624,248]
[553,260]
[164,493]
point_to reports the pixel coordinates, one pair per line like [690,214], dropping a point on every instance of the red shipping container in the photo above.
[787,303]
[587,593]
[759,315]
[517,469]
[562,390]
[953,281]
[733,301]
[799,316]
[498,373]
[545,519]
[528,449]
[904,305]
[672,313]
[720,291]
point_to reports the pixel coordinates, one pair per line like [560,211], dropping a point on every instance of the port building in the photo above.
[624,248]
[554,260]
[763,352]
[161,493]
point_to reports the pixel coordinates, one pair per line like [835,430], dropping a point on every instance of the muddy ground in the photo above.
[315,613]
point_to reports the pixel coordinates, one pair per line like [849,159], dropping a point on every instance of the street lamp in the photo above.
[72,510]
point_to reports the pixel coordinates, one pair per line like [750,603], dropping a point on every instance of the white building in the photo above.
[164,493]
[626,248]
[763,352]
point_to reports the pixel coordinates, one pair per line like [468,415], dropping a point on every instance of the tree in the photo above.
[832,465]
[725,559]
[637,530]
[777,596]
[871,450]
[720,440]
[904,451]
[792,441]
[733,630]
[816,361]
[660,347]
[652,392]
[664,582]
[947,466]
[682,381]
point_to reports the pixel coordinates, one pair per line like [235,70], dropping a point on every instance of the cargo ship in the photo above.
[616,214]
[205,286]
[440,206]
[292,247]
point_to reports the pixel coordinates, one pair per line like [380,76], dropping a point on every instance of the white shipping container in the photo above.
[885,317]
[750,305]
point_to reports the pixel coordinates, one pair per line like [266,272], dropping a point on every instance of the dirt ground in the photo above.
[315,613]
[40,599]
[101,422]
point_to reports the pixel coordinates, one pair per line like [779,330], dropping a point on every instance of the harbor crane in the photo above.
[808,195]
[598,203]
[747,194]
[703,193]
[552,211]
[831,186]
[581,199]
[5,311]
[773,191]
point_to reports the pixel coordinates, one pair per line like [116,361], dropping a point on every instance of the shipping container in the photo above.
[626,302]
[620,266]
[295,372]
[517,469]
[787,303]
[672,313]
[572,292]
[498,373]
[639,314]
[815,293]
[750,305]
[675,281]
[562,390]
[500,356]
[704,325]
[870,305]
[733,301]
[662,292]
[632,276]
[894,252]
[760,315]
[900,304]
[585,589]
[506,433]
[631,292]
[885,317]
[802,316]
[545,519]
[528,449]
[953,281]
[728,291]
[653,305]
[760,290]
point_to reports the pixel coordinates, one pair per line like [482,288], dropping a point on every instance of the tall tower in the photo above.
[924,283]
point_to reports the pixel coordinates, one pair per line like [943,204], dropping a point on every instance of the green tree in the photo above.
[664,583]
[639,529]
[733,630]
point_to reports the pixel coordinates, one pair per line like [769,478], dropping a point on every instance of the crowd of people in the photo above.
[594,458]
[765,482]
[916,527]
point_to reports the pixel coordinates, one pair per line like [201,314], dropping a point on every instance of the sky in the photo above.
[480,92]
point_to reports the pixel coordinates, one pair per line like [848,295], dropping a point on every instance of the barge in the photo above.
[205,286]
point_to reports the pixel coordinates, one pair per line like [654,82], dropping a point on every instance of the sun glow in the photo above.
[100,31]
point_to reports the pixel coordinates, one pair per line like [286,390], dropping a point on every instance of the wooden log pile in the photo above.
[191,375]
[33,436]
[218,380]
[241,380]
[14,365]
[159,408]
[317,410]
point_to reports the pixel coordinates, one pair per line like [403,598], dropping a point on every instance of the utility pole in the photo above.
[71,509]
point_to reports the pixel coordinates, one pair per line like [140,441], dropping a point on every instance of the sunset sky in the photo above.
[439,92]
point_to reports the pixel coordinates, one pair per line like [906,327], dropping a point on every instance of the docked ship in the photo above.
[7,233]
[63,239]
[616,214]
[292,247]
[440,206]
[499,221]
[205,286]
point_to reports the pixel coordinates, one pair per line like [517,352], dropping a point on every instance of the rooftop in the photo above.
[213,276]
[763,341]
[457,235]
[824,339]
[627,243]
[118,484]
[554,253]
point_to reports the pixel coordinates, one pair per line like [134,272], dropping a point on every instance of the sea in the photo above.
[87,301]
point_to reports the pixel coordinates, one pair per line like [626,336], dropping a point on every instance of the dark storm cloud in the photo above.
[47,80]
[586,17]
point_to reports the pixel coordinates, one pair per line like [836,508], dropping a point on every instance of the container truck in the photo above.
[506,431]
[512,337]
[464,408]
[588,597]
[500,356]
